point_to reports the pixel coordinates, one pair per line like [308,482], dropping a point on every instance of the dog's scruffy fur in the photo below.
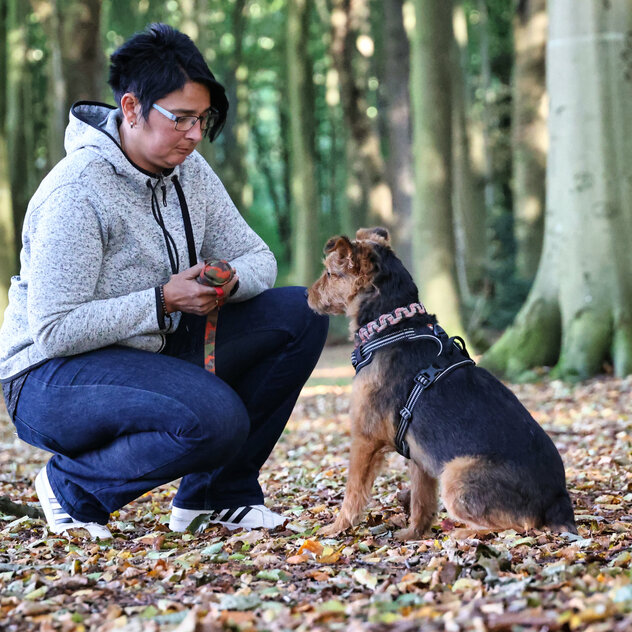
[495,466]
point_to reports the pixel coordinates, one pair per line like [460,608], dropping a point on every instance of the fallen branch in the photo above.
[7,506]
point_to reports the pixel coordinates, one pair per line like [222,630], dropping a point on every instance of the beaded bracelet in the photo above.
[161,290]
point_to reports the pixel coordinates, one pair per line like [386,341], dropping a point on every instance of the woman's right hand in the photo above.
[184,294]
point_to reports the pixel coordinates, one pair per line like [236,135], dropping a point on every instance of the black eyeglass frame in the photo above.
[208,121]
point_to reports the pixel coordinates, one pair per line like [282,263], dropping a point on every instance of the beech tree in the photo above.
[305,236]
[579,312]
[529,136]
[468,184]
[7,243]
[368,192]
[396,95]
[433,227]
[18,107]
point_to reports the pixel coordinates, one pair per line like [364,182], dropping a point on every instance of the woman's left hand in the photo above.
[184,294]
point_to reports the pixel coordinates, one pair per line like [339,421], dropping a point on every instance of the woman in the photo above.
[101,348]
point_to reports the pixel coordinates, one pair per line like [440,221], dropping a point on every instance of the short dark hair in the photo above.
[158,61]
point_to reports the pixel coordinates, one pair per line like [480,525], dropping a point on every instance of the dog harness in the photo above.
[451,355]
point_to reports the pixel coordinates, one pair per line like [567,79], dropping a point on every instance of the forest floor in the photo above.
[148,578]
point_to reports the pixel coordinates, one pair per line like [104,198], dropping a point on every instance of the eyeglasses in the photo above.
[185,123]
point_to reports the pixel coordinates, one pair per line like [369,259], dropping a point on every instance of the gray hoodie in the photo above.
[94,250]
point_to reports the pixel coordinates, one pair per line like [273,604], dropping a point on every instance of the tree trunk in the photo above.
[579,312]
[57,118]
[369,192]
[81,49]
[468,189]
[486,82]
[17,122]
[7,231]
[433,231]
[530,139]
[8,259]
[278,198]
[302,170]
[237,129]
[396,93]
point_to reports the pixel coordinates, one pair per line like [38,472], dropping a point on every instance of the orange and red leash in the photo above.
[216,274]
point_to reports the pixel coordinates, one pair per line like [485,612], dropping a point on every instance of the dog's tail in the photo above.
[558,516]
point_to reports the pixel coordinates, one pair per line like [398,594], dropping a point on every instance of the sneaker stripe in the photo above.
[242,514]
[228,513]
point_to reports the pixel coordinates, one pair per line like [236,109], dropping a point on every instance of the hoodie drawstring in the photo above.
[172,249]
[186,219]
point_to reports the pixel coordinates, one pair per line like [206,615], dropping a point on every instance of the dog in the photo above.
[417,391]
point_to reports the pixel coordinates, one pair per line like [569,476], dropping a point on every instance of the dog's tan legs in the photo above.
[367,457]
[423,503]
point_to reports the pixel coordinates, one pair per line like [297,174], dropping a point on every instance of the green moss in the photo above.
[585,346]
[622,349]
[532,341]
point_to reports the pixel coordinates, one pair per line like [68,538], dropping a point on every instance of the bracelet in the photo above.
[161,290]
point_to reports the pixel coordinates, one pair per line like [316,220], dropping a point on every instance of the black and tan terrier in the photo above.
[417,391]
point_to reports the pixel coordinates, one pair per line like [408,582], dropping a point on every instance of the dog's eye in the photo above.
[328,274]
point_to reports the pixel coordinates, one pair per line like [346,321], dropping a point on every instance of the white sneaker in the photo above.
[248,517]
[57,518]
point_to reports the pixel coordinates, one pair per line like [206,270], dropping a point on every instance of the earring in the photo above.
[132,124]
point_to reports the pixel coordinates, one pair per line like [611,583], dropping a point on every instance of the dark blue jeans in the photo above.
[122,421]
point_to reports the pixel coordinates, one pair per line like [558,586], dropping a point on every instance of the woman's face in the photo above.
[153,143]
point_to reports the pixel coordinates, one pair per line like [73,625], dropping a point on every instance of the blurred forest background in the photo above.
[492,137]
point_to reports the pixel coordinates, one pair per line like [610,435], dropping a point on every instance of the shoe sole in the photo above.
[178,528]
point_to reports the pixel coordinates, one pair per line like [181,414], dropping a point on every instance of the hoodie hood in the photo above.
[95,126]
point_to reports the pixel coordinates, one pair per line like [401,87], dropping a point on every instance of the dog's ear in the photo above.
[341,250]
[331,244]
[342,245]
[378,234]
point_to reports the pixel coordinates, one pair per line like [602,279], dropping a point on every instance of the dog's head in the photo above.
[349,270]
[361,277]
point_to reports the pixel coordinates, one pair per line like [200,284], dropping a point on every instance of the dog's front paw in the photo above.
[409,534]
[330,530]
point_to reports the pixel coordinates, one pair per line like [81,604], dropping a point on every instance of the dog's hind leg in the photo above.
[367,457]
[423,503]
[488,496]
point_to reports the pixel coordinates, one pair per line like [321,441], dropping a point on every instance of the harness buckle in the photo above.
[405,414]
[422,378]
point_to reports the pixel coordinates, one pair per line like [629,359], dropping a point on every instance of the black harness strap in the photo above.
[423,380]
[363,353]
[452,355]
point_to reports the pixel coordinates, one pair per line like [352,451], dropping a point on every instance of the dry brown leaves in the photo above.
[148,578]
